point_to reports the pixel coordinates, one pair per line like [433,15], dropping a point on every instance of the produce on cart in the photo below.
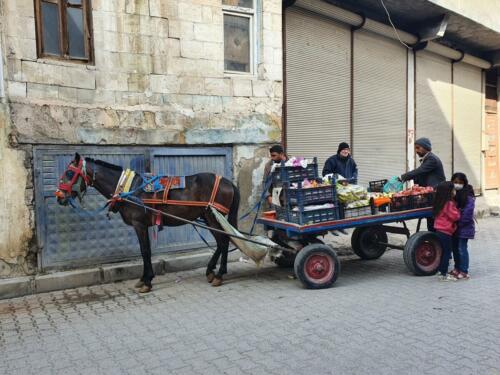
[304,197]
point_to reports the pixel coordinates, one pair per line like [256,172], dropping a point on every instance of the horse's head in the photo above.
[74,181]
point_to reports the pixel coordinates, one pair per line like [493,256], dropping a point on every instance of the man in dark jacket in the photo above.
[343,164]
[277,154]
[430,172]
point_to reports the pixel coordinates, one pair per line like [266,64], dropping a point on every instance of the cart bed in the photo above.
[294,229]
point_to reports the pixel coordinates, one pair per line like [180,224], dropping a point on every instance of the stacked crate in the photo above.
[295,200]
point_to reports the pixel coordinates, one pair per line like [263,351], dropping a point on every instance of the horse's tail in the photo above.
[233,210]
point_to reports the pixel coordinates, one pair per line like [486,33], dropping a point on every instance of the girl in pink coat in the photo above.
[446,216]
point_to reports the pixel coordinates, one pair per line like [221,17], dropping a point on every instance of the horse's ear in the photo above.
[77,158]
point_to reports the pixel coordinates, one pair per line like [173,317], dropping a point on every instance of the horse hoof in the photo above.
[145,289]
[210,277]
[217,281]
[139,284]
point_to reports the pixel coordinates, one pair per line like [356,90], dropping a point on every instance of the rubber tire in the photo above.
[359,247]
[302,257]
[288,259]
[409,253]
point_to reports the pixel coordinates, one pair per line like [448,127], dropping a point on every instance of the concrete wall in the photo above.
[158,78]
[485,12]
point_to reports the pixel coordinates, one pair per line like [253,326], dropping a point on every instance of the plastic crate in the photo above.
[377,186]
[304,196]
[349,213]
[422,200]
[303,217]
[295,174]
[401,203]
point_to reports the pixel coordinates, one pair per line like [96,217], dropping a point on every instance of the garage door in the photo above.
[434,104]
[69,239]
[379,108]
[318,71]
[467,127]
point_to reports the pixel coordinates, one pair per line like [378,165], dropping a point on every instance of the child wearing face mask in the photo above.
[446,215]
[465,227]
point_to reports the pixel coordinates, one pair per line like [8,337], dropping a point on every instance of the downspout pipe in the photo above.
[353,19]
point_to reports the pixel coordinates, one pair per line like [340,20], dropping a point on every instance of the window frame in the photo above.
[62,6]
[251,14]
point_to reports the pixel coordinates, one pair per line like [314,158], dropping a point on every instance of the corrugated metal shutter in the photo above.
[318,55]
[434,104]
[379,117]
[467,96]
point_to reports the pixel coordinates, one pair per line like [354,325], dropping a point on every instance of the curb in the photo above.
[108,273]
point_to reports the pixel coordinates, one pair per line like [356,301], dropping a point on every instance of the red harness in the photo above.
[78,172]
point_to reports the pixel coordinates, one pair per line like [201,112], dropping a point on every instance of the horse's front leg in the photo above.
[148,274]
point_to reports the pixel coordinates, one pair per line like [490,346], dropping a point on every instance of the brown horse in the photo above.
[104,177]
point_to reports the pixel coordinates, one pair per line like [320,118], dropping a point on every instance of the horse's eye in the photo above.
[70,174]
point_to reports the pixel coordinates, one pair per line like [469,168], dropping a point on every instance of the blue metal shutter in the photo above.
[68,239]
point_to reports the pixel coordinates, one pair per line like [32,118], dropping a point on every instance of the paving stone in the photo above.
[376,319]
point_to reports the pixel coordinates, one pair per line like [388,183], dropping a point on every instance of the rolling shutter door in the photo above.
[318,56]
[467,96]
[379,117]
[434,105]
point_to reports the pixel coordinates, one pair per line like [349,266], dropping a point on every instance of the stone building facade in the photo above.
[157,75]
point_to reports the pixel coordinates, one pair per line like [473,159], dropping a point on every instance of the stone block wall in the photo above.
[158,79]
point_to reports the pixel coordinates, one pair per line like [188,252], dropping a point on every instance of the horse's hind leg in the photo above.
[222,246]
[212,264]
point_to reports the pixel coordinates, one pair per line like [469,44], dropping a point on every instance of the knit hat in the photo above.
[425,143]
[342,146]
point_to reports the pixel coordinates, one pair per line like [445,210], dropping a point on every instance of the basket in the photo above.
[304,196]
[295,174]
[303,217]
[377,186]
[349,213]
[422,200]
[401,203]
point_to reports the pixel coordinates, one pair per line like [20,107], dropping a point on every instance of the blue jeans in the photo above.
[461,254]
[447,246]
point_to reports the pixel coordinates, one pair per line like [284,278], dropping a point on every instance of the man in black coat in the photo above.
[430,172]
[343,164]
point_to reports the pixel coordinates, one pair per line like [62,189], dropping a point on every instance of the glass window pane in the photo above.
[236,43]
[75,2]
[50,27]
[76,37]
[239,3]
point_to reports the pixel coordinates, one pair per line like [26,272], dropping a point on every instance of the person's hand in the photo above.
[400,179]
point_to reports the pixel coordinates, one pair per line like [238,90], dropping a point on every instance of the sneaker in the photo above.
[449,278]
[463,276]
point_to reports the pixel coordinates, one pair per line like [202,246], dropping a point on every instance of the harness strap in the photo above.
[215,189]
[175,202]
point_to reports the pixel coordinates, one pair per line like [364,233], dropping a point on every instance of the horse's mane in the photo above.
[105,164]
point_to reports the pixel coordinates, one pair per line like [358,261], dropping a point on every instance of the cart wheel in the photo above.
[317,266]
[365,242]
[422,253]
[287,259]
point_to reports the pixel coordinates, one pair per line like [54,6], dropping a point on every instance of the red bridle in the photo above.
[78,171]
